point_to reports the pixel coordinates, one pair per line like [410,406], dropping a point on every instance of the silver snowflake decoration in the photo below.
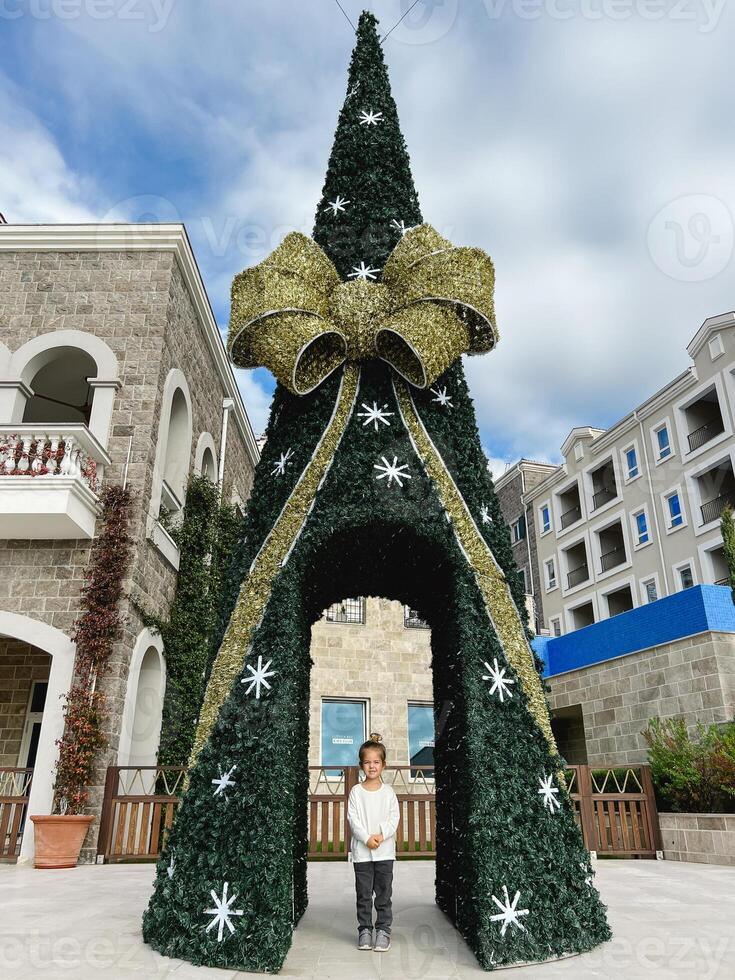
[588,877]
[500,681]
[374,415]
[400,226]
[442,397]
[222,912]
[171,867]
[550,793]
[509,913]
[279,468]
[223,783]
[259,675]
[370,118]
[364,272]
[485,514]
[393,471]
[337,205]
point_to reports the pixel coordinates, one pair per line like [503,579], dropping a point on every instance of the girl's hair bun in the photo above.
[374,737]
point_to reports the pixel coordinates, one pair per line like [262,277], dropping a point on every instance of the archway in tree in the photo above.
[373,482]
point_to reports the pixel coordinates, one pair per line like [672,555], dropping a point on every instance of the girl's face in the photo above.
[372,763]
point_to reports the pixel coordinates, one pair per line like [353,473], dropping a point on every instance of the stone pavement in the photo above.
[669,920]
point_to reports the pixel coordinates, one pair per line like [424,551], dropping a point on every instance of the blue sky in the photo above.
[587,145]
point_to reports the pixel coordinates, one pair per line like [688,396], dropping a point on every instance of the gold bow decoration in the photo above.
[294,315]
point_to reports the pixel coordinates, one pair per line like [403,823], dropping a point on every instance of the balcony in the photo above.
[704,433]
[712,509]
[49,477]
[570,516]
[577,575]
[604,484]
[570,506]
[613,558]
[602,496]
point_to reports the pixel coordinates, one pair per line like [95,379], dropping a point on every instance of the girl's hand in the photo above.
[374,841]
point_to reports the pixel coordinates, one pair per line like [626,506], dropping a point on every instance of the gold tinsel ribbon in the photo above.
[293,314]
[258,584]
[490,579]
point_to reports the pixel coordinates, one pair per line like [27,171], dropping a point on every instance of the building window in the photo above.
[522,573]
[550,573]
[676,518]
[519,529]
[420,736]
[662,440]
[343,732]
[346,611]
[631,463]
[685,576]
[555,626]
[412,620]
[716,347]
[641,527]
[545,518]
[651,590]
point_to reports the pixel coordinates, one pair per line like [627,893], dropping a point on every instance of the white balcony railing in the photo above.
[49,478]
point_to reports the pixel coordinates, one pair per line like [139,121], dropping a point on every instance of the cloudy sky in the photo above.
[587,145]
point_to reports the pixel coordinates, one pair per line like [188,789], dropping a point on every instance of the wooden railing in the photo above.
[616,809]
[614,806]
[329,831]
[138,810]
[15,789]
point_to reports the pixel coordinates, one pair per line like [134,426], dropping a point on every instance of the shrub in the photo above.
[692,775]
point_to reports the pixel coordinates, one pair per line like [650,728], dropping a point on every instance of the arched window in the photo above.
[61,391]
[209,467]
[178,447]
[205,458]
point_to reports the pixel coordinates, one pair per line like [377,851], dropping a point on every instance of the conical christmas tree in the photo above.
[373,482]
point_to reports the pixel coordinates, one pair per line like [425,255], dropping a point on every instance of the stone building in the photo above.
[109,349]
[511,487]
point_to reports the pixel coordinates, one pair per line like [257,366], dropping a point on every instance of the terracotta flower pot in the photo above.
[59,840]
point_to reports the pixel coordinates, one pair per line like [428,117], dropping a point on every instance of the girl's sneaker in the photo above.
[382,941]
[365,939]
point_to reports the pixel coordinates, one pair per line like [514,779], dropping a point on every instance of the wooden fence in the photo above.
[15,788]
[614,806]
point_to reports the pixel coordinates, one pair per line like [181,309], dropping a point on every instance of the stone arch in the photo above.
[173,448]
[62,651]
[140,727]
[205,457]
[76,352]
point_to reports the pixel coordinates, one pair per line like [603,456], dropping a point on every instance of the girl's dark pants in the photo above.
[374,877]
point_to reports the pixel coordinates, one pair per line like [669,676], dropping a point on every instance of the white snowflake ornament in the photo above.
[224,782]
[549,793]
[279,467]
[392,471]
[337,205]
[485,514]
[500,681]
[222,912]
[442,397]
[509,913]
[364,272]
[374,415]
[370,118]
[171,867]
[259,675]
[400,226]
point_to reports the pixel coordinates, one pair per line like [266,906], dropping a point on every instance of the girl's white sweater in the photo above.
[373,812]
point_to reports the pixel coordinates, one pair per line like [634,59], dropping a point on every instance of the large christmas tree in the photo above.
[373,482]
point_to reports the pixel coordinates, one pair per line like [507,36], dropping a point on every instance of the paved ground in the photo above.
[669,920]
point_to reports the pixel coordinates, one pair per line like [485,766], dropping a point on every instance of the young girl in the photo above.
[373,813]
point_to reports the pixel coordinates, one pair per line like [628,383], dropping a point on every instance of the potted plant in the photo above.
[60,835]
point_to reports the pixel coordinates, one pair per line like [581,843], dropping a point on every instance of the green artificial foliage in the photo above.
[206,539]
[371,537]
[692,775]
[727,525]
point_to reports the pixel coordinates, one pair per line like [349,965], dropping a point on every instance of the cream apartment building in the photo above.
[633,513]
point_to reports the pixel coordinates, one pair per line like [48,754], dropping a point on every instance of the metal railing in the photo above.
[570,516]
[347,611]
[602,496]
[412,620]
[704,433]
[579,574]
[712,509]
[616,556]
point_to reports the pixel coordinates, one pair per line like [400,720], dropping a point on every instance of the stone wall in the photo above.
[20,665]
[382,662]
[693,677]
[705,838]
